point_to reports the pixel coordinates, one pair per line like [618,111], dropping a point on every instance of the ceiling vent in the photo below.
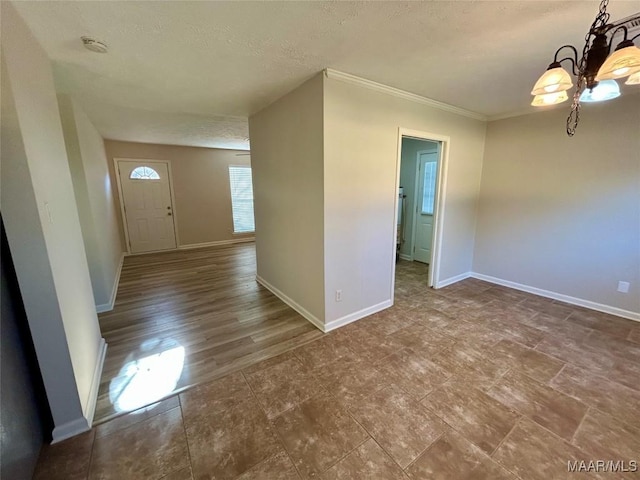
[94,45]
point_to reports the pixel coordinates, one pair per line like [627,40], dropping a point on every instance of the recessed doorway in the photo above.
[421,193]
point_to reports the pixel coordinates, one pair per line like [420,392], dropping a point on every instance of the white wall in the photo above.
[43,229]
[94,197]
[287,164]
[360,155]
[408,163]
[563,214]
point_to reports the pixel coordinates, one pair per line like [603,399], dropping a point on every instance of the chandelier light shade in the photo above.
[550,99]
[633,79]
[555,79]
[605,90]
[624,62]
[595,71]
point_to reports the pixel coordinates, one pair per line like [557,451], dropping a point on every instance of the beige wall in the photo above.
[287,153]
[361,142]
[200,183]
[94,197]
[43,229]
[563,214]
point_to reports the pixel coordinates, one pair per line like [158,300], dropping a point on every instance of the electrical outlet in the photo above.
[623,287]
[338,295]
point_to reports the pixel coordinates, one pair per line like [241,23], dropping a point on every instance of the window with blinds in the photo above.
[429,187]
[241,199]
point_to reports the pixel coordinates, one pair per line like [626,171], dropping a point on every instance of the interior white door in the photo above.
[427,173]
[148,209]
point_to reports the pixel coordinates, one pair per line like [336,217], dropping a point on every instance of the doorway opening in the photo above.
[421,179]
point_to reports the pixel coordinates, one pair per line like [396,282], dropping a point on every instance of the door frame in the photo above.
[444,145]
[121,200]
[415,199]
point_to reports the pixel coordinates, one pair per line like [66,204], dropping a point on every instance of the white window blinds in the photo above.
[241,199]
[429,189]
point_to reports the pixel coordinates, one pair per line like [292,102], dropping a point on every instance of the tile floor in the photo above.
[473,381]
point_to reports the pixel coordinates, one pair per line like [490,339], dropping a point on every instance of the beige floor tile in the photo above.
[392,319]
[547,306]
[182,474]
[555,326]
[533,453]
[451,456]
[467,361]
[535,364]
[573,350]
[283,386]
[351,379]
[548,407]
[600,392]
[474,414]
[67,460]
[227,443]
[317,433]
[367,345]
[413,372]
[423,339]
[137,416]
[602,322]
[366,461]
[607,438]
[322,352]
[268,363]
[399,424]
[214,397]
[278,467]
[150,449]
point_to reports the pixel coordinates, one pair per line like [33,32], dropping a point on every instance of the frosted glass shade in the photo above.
[621,63]
[605,90]
[553,80]
[633,79]
[549,99]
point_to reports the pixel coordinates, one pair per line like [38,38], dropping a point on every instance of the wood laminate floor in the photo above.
[204,303]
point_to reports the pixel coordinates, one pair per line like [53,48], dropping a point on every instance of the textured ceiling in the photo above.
[190,73]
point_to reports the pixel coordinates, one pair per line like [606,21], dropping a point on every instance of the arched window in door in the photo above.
[144,173]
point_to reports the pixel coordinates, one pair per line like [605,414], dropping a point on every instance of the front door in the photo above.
[148,209]
[427,172]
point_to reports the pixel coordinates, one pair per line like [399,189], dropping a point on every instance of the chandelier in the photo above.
[596,71]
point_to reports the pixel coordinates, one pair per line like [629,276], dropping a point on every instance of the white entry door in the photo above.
[148,209]
[427,173]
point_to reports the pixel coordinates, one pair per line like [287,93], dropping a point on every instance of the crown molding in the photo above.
[396,92]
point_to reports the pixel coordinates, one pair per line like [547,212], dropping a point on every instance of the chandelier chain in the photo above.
[600,21]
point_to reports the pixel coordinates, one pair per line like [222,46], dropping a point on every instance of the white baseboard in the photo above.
[89,408]
[352,317]
[289,301]
[216,243]
[106,307]
[404,256]
[70,429]
[452,280]
[83,424]
[619,312]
